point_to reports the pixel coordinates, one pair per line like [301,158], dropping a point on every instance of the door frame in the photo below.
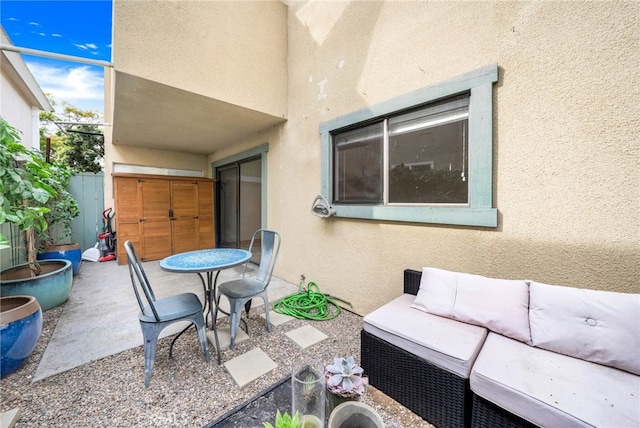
[261,151]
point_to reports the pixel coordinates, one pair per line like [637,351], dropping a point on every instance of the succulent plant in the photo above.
[284,421]
[345,378]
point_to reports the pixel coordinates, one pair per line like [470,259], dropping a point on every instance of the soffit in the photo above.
[153,115]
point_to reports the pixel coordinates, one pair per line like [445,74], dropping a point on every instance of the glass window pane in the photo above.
[358,165]
[428,160]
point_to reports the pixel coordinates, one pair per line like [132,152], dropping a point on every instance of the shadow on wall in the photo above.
[581,265]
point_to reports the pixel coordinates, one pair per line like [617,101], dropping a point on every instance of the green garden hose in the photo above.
[310,304]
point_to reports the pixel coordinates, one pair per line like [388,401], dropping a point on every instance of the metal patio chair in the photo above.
[240,292]
[156,314]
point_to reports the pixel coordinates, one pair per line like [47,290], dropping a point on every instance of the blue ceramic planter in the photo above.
[71,252]
[20,328]
[51,287]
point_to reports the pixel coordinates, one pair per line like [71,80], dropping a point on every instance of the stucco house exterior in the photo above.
[547,95]
[21,99]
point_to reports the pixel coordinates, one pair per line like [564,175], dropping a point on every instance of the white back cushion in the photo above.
[437,292]
[500,305]
[598,326]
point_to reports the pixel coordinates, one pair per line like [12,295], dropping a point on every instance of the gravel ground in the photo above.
[185,391]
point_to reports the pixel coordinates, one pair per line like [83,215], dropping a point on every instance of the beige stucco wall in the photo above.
[566,180]
[566,149]
[233,51]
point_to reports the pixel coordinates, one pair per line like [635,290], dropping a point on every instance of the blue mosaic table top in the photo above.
[205,260]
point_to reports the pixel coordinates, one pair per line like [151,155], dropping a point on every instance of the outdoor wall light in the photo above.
[321,208]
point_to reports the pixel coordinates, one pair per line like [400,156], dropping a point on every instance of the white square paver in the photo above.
[224,337]
[249,366]
[8,419]
[277,319]
[306,336]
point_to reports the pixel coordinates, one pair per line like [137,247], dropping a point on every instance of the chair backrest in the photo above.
[140,282]
[269,248]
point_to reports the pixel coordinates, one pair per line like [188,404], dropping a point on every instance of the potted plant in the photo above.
[284,421]
[345,382]
[20,328]
[25,190]
[54,241]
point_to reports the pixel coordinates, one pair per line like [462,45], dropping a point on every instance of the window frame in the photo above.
[479,210]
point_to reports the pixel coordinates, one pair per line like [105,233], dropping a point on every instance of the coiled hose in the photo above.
[310,304]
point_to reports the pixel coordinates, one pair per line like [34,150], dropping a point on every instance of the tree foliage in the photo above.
[80,147]
[33,193]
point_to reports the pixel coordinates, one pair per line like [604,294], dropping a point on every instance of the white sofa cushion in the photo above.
[500,305]
[448,344]
[554,390]
[598,326]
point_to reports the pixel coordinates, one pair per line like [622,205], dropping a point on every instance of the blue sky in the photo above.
[78,28]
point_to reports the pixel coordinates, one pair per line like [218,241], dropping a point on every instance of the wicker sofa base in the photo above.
[434,394]
[488,415]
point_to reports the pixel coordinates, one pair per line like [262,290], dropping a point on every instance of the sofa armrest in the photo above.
[412,281]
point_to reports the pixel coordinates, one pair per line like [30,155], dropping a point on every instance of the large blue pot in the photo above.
[51,287]
[20,328]
[71,252]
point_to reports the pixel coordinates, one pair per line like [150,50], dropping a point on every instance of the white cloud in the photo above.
[82,86]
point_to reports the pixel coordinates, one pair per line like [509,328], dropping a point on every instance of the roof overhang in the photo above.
[154,115]
[17,71]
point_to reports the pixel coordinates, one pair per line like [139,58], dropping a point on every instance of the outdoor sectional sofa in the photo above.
[464,350]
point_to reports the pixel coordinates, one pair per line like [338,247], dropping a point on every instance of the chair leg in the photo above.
[150,335]
[265,298]
[235,315]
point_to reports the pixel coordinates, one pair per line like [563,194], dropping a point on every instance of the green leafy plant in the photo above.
[32,191]
[62,207]
[284,421]
[345,378]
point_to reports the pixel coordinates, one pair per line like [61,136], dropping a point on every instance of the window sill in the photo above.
[482,217]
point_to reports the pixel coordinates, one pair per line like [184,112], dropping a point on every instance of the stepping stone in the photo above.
[248,367]
[8,419]
[277,319]
[306,336]
[224,337]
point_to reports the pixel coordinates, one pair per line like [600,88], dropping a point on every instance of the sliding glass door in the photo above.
[239,202]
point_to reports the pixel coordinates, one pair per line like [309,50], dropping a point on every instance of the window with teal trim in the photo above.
[422,157]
